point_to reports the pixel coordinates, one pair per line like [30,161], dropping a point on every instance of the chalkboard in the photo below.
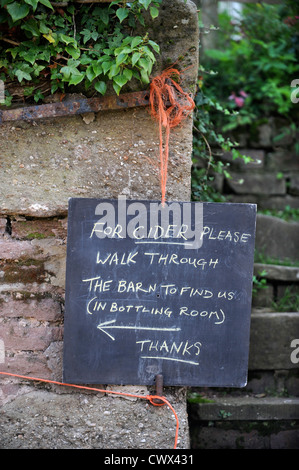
[154,289]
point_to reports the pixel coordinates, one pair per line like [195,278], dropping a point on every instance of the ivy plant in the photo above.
[88,44]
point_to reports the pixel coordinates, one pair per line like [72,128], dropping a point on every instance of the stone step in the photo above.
[271,334]
[277,273]
[276,238]
[248,408]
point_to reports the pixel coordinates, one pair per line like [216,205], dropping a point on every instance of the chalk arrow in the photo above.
[108,325]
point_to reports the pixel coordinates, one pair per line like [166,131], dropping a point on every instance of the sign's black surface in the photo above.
[153,290]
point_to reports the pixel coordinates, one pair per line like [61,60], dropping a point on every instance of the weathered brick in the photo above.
[256,183]
[217,438]
[2,225]
[263,136]
[28,335]
[54,253]
[40,309]
[278,202]
[285,440]
[38,228]
[294,185]
[33,363]
[25,271]
[263,297]
[11,249]
[282,160]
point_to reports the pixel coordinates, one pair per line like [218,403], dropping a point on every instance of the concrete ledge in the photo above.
[270,340]
[246,408]
[277,273]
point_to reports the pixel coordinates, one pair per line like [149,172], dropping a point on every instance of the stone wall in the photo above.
[271,179]
[271,182]
[265,414]
[43,163]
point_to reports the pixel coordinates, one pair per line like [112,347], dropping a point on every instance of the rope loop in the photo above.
[151,399]
[170,105]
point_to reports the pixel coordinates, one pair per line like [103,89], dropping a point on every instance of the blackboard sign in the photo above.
[154,289]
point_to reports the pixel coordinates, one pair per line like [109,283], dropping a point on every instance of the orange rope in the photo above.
[170,105]
[150,398]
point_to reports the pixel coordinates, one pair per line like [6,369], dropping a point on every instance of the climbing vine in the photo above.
[48,47]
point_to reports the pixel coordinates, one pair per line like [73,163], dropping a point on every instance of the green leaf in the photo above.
[66,71]
[46,3]
[32,3]
[122,50]
[101,87]
[144,76]
[136,41]
[22,75]
[17,10]
[28,91]
[128,74]
[32,27]
[120,80]
[87,35]
[67,39]
[145,3]
[106,66]
[136,56]
[37,69]
[149,55]
[72,51]
[85,59]
[104,16]
[127,41]
[155,46]
[70,70]
[38,96]
[43,28]
[116,88]
[29,55]
[154,12]
[121,58]
[97,68]
[145,64]
[122,14]
[76,79]
[90,73]
[114,69]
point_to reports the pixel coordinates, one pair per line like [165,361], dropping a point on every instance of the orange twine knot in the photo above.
[170,105]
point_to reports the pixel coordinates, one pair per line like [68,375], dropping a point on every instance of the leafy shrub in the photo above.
[256,61]
[80,43]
